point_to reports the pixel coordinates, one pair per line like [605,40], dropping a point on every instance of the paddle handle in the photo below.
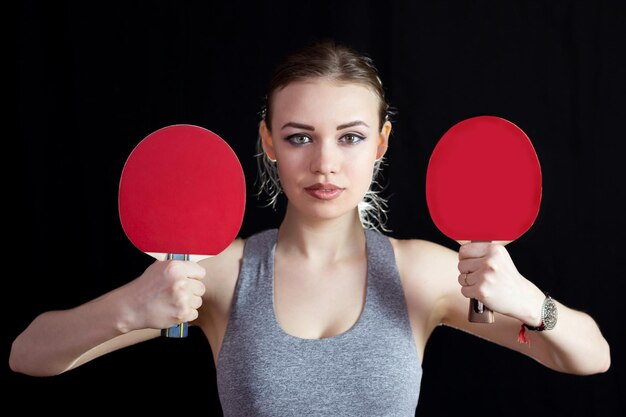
[180,330]
[478,312]
[176,332]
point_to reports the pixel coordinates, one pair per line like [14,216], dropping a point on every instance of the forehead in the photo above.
[320,100]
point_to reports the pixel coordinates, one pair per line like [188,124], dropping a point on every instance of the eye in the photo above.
[298,139]
[352,139]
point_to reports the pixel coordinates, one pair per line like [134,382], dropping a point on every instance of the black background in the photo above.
[91,80]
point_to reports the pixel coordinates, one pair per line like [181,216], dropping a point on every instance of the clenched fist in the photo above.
[166,294]
[488,274]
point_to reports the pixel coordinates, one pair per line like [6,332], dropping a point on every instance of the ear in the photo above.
[383,140]
[266,141]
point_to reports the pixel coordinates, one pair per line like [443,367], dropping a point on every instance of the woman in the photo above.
[323,315]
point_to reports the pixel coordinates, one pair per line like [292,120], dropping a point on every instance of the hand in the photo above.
[166,294]
[488,274]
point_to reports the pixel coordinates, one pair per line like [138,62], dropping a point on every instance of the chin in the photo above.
[326,210]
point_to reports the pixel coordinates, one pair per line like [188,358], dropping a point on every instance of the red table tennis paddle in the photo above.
[182,196]
[483,183]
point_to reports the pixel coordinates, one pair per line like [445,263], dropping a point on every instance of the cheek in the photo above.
[290,169]
[289,161]
[361,168]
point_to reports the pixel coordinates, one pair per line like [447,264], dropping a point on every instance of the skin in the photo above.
[324,132]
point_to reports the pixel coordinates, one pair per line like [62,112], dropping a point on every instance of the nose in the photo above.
[326,158]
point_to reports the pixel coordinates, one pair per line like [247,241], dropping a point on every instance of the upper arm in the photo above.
[424,270]
[429,275]
[221,276]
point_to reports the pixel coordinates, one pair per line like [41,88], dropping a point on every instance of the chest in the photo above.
[320,379]
[313,301]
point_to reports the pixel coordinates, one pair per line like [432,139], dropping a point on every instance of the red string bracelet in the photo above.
[521,336]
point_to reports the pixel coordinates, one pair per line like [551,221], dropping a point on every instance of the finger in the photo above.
[473,291]
[196,287]
[468,279]
[195,302]
[473,250]
[195,271]
[189,316]
[188,269]
[470,265]
[188,311]
[463,280]
[467,292]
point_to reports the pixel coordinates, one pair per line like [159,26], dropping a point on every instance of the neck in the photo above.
[321,240]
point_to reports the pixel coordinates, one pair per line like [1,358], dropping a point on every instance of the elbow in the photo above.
[596,361]
[606,364]
[21,362]
[604,360]
[600,367]
[601,364]
[15,364]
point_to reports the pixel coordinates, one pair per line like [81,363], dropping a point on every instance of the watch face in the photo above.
[549,314]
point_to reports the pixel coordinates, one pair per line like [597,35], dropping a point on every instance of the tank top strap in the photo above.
[386,296]
[254,290]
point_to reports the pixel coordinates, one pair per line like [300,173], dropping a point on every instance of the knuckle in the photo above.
[187,314]
[175,291]
[181,314]
[173,268]
[491,265]
[488,279]
[178,305]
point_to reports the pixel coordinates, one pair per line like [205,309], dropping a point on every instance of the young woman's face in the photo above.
[325,139]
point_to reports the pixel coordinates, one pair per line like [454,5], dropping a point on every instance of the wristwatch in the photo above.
[549,315]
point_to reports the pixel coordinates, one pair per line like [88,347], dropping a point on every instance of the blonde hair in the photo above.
[343,64]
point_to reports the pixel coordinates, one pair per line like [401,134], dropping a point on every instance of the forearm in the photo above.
[56,340]
[575,345]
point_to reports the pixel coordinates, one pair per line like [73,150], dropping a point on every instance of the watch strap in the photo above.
[548,316]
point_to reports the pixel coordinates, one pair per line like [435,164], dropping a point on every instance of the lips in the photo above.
[324,191]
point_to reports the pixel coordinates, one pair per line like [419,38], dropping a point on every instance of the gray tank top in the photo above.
[372,369]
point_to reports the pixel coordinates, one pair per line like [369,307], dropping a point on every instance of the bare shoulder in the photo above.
[223,269]
[233,253]
[220,280]
[418,257]
[427,272]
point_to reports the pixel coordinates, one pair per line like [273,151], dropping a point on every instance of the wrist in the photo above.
[108,312]
[549,316]
[125,317]
[532,314]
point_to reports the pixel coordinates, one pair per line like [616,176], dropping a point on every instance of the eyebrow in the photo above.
[312,129]
[298,126]
[352,124]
